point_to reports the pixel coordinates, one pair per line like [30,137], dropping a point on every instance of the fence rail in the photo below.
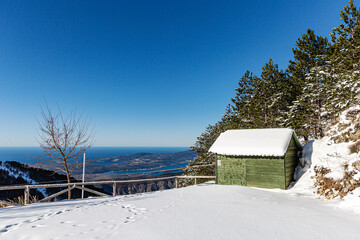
[56,185]
[80,185]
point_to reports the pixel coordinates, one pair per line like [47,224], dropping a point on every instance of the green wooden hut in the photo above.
[263,158]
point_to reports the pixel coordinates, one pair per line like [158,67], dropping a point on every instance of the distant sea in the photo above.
[28,154]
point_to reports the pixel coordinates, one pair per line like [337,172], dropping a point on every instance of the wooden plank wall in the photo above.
[291,161]
[265,173]
[255,172]
[232,171]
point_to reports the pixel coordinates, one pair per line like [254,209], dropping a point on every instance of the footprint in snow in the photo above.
[133,211]
[38,226]
[7,228]
[67,222]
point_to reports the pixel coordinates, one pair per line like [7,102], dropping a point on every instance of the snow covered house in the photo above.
[263,158]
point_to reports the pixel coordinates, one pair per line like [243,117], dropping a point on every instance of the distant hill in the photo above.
[14,173]
[137,162]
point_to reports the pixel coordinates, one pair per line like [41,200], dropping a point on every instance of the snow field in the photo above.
[206,211]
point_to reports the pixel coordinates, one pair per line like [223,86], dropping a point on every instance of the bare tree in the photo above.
[63,139]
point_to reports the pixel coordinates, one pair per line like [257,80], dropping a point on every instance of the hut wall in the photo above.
[255,172]
[232,170]
[265,172]
[291,161]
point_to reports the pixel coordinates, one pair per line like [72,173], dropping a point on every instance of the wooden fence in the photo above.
[80,185]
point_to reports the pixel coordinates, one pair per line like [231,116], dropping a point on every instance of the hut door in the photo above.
[238,171]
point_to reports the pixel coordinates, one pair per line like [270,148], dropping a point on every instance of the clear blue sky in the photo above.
[149,73]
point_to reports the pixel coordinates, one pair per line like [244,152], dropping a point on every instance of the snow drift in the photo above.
[328,166]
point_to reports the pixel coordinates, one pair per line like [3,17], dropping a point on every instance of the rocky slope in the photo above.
[330,167]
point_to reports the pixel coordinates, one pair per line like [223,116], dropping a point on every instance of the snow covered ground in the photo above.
[332,152]
[332,156]
[205,211]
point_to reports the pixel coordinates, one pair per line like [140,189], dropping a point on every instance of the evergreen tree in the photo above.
[309,53]
[313,103]
[261,102]
[332,86]
[345,58]
[331,75]
[242,112]
[273,95]
[346,39]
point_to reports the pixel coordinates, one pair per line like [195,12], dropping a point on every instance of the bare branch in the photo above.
[63,138]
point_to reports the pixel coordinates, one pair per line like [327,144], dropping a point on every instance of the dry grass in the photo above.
[343,137]
[343,126]
[351,135]
[352,115]
[355,136]
[345,131]
[330,188]
[332,123]
[355,148]
[20,200]
[356,165]
[2,205]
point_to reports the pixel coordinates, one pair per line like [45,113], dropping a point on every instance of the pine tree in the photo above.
[346,39]
[344,61]
[242,112]
[314,102]
[273,94]
[331,75]
[309,54]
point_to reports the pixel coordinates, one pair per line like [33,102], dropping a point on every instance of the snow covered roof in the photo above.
[253,142]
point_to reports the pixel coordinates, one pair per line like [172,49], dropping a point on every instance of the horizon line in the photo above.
[112,146]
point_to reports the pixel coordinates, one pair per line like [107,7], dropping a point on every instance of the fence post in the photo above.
[114,188]
[195,180]
[26,195]
[176,182]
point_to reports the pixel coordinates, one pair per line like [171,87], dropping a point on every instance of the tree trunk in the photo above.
[320,127]
[68,178]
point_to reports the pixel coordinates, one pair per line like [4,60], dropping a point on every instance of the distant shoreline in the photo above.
[27,155]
